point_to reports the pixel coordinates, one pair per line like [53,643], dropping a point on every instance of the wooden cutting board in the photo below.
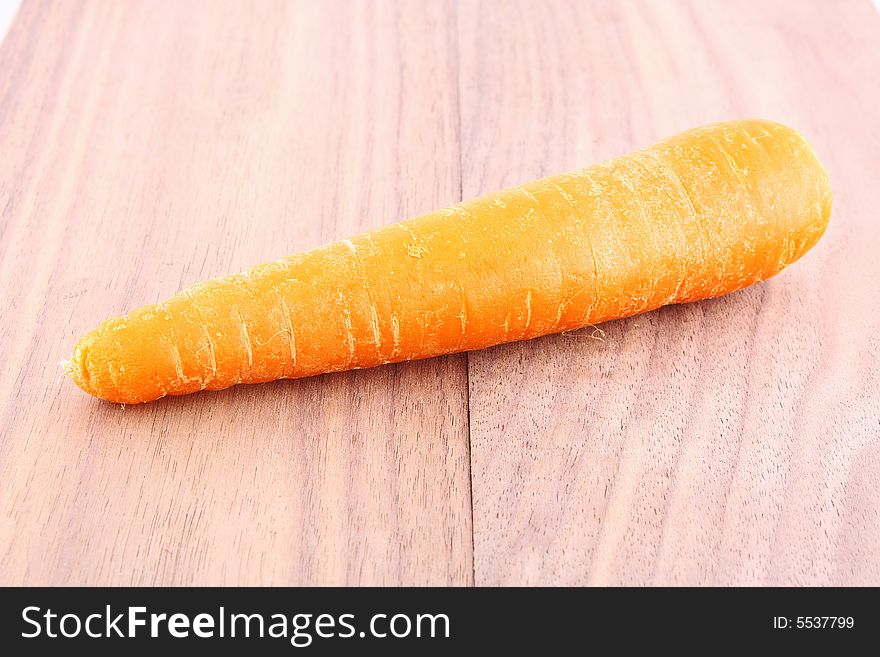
[148,145]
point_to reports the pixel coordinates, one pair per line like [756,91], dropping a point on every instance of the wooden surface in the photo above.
[148,145]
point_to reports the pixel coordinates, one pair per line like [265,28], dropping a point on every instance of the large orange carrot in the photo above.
[701,214]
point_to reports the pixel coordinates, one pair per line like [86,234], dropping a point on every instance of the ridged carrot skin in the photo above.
[701,214]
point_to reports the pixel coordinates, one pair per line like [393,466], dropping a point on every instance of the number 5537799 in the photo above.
[822,622]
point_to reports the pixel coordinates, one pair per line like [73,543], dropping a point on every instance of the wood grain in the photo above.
[734,441]
[150,145]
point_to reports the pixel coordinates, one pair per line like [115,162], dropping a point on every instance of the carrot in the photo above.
[704,213]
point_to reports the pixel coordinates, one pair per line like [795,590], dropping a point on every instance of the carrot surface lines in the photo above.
[291,335]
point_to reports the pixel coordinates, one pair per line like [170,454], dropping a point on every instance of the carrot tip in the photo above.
[66,366]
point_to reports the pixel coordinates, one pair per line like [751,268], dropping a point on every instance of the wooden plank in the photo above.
[733,441]
[148,145]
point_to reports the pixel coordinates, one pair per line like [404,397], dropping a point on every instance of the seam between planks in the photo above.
[456,49]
